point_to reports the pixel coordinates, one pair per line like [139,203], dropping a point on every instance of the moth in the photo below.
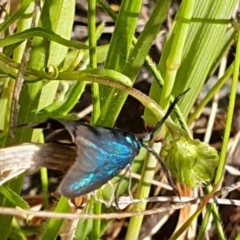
[102,153]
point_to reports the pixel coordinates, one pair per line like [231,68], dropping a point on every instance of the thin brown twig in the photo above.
[20,78]
[46,214]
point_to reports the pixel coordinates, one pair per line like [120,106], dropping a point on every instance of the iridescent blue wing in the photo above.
[101,154]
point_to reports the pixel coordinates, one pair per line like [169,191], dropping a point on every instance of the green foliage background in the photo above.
[198,39]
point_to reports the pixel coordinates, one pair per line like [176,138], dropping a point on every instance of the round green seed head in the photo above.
[191,162]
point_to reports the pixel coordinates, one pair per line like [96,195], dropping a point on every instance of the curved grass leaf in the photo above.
[40,32]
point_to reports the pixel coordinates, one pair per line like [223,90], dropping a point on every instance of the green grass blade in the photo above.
[208,25]
[13,197]
[174,58]
[54,225]
[135,61]
[19,13]
[40,32]
[119,48]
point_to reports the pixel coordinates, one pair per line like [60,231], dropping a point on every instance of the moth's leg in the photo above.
[128,169]
[130,183]
[107,203]
[111,200]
